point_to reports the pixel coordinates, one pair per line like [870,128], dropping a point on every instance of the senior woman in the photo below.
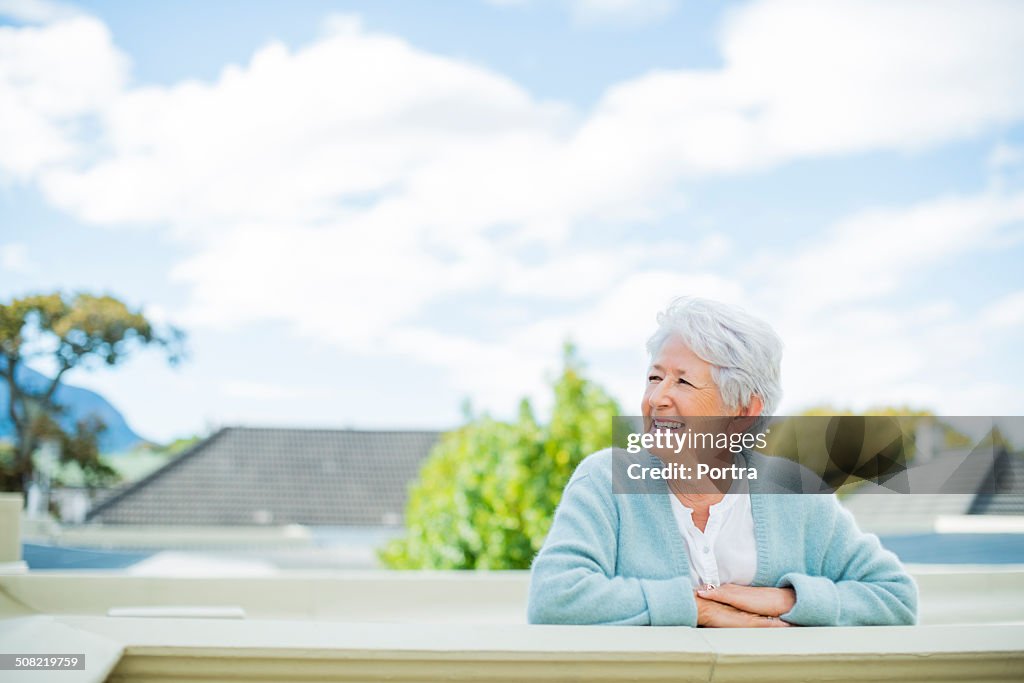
[750,557]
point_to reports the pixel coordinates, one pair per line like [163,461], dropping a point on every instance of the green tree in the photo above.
[846,448]
[487,493]
[76,331]
[908,416]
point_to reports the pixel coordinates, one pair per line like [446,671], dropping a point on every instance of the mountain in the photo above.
[78,403]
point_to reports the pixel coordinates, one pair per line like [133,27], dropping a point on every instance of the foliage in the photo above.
[146,458]
[892,411]
[487,493]
[910,418]
[875,445]
[179,445]
[69,332]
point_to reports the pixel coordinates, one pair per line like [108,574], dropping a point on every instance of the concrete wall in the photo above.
[425,626]
[10,527]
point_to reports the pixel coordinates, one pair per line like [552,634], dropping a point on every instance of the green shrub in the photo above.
[487,493]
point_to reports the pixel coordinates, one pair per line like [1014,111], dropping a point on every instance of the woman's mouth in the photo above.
[664,424]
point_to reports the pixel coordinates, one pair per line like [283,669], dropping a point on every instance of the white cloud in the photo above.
[14,258]
[37,11]
[353,118]
[629,12]
[495,374]
[1005,312]
[1006,165]
[344,283]
[1005,156]
[851,336]
[607,12]
[344,187]
[856,75]
[52,79]
[589,272]
[361,119]
[803,79]
[261,391]
[866,256]
[625,316]
[498,371]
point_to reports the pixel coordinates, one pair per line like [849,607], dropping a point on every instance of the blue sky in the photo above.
[363,213]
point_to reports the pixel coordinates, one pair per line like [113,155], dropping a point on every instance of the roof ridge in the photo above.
[348,430]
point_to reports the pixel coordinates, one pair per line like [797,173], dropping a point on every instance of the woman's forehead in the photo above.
[675,356]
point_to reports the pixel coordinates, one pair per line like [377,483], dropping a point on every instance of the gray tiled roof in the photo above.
[244,475]
[1002,496]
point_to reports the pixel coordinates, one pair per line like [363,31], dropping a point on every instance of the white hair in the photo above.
[745,353]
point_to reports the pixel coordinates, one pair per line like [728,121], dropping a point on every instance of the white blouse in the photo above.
[725,552]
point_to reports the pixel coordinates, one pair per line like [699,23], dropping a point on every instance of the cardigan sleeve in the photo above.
[860,582]
[573,577]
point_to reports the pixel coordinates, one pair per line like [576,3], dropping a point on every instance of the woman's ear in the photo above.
[753,407]
[744,420]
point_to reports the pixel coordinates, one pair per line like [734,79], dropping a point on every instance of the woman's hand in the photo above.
[719,615]
[755,600]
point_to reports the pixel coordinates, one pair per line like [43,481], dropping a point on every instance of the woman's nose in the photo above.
[659,395]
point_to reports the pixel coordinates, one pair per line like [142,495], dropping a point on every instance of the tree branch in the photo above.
[47,396]
[14,394]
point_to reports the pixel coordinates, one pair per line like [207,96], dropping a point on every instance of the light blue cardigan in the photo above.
[619,558]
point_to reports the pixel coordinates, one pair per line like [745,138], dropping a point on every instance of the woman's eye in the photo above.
[653,378]
[683,381]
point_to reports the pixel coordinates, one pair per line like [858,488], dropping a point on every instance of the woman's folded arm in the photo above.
[573,580]
[861,583]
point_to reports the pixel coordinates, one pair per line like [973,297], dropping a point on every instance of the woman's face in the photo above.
[679,384]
